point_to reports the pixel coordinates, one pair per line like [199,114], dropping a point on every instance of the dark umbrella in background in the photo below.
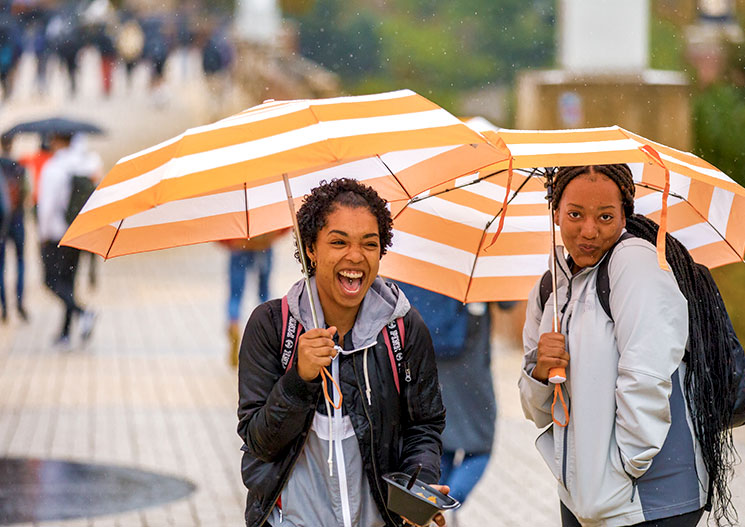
[53,126]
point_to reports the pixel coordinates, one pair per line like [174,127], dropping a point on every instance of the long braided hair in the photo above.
[709,383]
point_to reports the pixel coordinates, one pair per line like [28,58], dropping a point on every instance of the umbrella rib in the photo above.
[488,224]
[111,245]
[406,191]
[245,201]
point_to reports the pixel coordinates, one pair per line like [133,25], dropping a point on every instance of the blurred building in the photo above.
[604,78]
[269,64]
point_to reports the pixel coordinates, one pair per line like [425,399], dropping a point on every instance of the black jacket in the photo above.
[276,409]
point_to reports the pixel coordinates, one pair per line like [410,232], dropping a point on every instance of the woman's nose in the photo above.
[355,253]
[589,229]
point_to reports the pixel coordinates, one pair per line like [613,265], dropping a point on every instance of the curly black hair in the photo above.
[322,200]
[620,174]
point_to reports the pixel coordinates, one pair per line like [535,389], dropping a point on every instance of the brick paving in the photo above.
[152,389]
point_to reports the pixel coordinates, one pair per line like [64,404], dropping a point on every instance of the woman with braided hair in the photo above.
[641,437]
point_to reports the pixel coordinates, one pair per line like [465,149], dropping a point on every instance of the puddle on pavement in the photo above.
[35,490]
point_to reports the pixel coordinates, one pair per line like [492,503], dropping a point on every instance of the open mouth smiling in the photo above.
[351,281]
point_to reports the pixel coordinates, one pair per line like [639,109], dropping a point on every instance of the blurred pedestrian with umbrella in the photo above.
[631,451]
[310,463]
[60,262]
[17,186]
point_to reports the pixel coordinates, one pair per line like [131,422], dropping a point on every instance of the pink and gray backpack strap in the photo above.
[291,330]
[394,341]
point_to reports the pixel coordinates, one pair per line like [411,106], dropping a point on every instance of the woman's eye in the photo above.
[573,214]
[606,217]
[337,242]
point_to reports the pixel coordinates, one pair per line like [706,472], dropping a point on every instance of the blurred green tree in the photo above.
[436,47]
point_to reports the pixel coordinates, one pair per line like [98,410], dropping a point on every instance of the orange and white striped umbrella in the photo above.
[225,180]
[442,237]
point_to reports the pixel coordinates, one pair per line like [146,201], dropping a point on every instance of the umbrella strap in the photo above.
[560,395]
[326,375]
[662,231]
[504,206]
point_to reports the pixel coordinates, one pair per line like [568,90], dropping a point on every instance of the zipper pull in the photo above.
[407,372]
[633,489]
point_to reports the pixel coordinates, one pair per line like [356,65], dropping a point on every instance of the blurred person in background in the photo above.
[34,163]
[95,20]
[461,335]
[61,262]
[155,51]
[65,41]
[129,42]
[11,48]
[14,176]
[87,176]
[246,255]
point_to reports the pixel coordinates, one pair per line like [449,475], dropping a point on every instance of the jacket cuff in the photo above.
[296,387]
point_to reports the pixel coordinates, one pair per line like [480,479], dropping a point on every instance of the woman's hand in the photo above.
[439,519]
[315,349]
[551,354]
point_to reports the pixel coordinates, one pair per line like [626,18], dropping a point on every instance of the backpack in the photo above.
[393,336]
[446,318]
[81,189]
[701,273]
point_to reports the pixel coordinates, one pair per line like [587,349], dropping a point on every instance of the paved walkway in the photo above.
[152,388]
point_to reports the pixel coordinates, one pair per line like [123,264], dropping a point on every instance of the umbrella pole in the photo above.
[556,375]
[301,251]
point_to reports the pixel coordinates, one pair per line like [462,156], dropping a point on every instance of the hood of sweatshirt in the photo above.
[383,303]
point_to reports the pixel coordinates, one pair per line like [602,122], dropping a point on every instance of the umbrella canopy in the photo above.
[225,180]
[53,126]
[443,237]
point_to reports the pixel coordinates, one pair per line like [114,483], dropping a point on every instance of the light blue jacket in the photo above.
[629,453]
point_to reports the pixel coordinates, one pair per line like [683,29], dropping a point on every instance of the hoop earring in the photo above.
[312,264]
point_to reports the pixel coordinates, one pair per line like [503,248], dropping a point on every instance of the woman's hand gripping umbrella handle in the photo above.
[556,376]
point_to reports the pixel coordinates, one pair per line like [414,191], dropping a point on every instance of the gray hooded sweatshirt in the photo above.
[314,482]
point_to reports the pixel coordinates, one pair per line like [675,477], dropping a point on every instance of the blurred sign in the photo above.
[570,110]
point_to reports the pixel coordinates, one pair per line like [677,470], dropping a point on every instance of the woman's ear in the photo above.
[556,216]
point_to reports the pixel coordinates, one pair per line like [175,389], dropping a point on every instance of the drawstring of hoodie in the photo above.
[328,400]
[329,404]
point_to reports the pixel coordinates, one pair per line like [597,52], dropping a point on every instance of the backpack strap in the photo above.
[291,330]
[394,341]
[544,290]
[393,335]
[602,285]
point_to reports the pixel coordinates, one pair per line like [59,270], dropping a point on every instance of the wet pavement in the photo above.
[37,490]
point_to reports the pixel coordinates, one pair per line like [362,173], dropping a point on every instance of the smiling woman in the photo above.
[306,464]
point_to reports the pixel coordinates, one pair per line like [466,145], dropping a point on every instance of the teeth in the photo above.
[351,274]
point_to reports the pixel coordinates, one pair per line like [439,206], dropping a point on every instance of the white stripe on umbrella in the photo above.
[535,149]
[233,154]
[697,235]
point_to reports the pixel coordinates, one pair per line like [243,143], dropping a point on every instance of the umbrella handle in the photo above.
[557,375]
